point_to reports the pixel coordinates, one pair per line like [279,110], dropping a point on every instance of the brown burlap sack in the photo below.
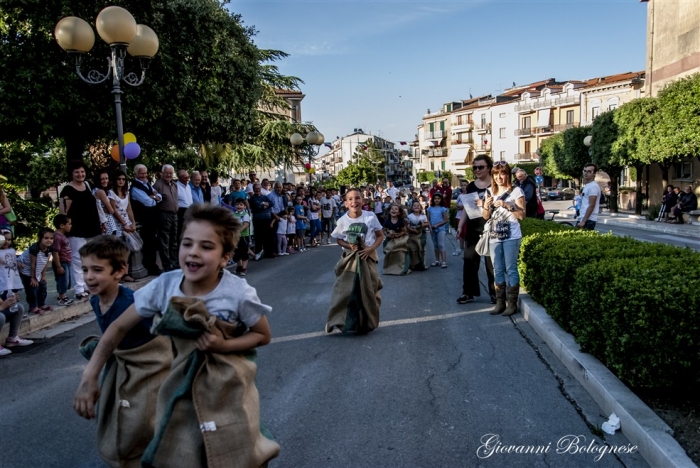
[416,251]
[355,301]
[208,408]
[126,409]
[396,260]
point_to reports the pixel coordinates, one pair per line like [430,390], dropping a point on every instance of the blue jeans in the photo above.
[36,296]
[315,228]
[504,256]
[64,281]
[438,237]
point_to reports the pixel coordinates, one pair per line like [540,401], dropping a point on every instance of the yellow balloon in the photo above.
[129,138]
[312,170]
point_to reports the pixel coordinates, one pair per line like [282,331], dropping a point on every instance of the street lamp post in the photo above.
[314,140]
[116,27]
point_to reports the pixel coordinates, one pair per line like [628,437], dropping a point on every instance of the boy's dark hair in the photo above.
[109,248]
[353,189]
[239,200]
[43,231]
[225,224]
[59,220]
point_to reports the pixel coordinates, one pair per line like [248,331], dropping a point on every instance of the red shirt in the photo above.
[446,195]
[62,246]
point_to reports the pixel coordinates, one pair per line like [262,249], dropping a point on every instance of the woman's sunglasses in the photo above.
[499,163]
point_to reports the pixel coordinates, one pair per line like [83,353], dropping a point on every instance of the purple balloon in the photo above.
[132,150]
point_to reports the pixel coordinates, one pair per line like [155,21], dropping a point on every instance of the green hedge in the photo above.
[634,305]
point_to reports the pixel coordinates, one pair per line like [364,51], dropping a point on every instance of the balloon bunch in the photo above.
[131,148]
[309,169]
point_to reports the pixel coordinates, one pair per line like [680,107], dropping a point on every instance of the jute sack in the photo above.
[396,260]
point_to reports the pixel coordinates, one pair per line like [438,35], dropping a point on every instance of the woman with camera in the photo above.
[504,207]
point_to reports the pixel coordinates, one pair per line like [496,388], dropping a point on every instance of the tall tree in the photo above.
[677,130]
[547,150]
[604,133]
[572,155]
[203,85]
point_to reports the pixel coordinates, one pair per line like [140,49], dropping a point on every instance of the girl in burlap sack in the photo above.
[194,407]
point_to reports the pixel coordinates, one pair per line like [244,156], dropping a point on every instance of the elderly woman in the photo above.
[505,207]
[78,203]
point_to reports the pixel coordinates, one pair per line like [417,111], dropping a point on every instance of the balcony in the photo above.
[463,141]
[436,153]
[483,127]
[523,132]
[542,104]
[434,135]
[525,156]
[568,100]
[462,127]
[566,126]
[543,130]
[483,149]
[525,107]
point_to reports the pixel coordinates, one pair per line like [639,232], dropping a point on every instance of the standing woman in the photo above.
[122,214]
[102,193]
[505,209]
[475,227]
[78,203]
[438,219]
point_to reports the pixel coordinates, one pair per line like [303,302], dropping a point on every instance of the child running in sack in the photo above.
[355,301]
[130,384]
[10,283]
[213,316]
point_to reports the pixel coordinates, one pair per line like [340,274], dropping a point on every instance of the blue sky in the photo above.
[379,65]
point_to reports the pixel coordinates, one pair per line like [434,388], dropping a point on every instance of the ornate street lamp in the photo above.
[314,141]
[117,28]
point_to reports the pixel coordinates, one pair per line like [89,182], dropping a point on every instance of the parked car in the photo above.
[555,193]
[544,194]
[568,193]
[456,193]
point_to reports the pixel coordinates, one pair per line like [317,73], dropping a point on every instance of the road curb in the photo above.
[37,322]
[651,226]
[639,423]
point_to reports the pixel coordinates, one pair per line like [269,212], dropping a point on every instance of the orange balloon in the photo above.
[115,153]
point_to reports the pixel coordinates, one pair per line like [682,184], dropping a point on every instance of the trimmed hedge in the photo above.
[634,305]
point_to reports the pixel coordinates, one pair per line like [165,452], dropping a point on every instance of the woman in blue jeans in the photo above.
[505,207]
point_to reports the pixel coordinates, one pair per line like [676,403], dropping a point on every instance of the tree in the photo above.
[203,86]
[604,134]
[636,122]
[677,130]
[572,155]
[547,150]
[356,174]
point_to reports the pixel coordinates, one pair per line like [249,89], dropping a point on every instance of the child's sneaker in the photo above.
[4,351]
[65,301]
[242,272]
[17,341]
[82,296]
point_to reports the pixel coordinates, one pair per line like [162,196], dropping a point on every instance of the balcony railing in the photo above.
[436,152]
[434,134]
[463,141]
[565,126]
[483,148]
[545,103]
[525,156]
[524,131]
[483,128]
[461,127]
[543,129]
[524,107]
[562,101]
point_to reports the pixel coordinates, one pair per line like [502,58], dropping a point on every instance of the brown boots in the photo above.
[513,292]
[500,299]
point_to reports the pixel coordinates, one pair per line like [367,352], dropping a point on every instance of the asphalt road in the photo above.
[423,390]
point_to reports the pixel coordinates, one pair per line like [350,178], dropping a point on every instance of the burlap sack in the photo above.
[396,259]
[126,409]
[208,408]
[416,251]
[355,301]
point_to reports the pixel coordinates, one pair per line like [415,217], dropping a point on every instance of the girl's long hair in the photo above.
[115,187]
[497,170]
[402,214]
[432,199]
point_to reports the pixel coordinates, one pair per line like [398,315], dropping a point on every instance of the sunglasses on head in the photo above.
[500,163]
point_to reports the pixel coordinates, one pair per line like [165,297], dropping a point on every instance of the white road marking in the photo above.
[389,323]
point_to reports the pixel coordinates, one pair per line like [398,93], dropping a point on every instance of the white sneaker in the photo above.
[457,253]
[4,351]
[17,341]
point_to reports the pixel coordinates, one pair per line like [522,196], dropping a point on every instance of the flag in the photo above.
[402,143]
[329,145]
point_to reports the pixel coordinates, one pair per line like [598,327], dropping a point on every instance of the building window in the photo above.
[502,132]
[432,165]
[503,155]
[527,146]
[612,107]
[595,112]
[526,122]
[483,119]
[432,127]
[442,125]
[459,119]
[442,165]
[570,116]
[448,107]
[683,170]
[502,115]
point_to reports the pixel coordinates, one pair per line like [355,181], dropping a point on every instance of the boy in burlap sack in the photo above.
[208,408]
[355,302]
[133,375]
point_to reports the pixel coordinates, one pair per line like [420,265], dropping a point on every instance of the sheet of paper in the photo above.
[469,202]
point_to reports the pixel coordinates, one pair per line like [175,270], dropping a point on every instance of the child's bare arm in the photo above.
[258,335]
[89,390]
[32,269]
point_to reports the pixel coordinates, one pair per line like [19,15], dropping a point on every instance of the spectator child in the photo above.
[139,354]
[438,219]
[240,256]
[314,214]
[282,233]
[62,258]
[577,203]
[209,235]
[10,283]
[301,220]
[328,209]
[291,229]
[379,209]
[366,205]
[32,266]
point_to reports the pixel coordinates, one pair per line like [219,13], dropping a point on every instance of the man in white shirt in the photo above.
[253,179]
[391,190]
[590,198]
[184,197]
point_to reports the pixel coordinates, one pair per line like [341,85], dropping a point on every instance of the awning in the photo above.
[458,155]
[433,142]
[428,144]
[543,118]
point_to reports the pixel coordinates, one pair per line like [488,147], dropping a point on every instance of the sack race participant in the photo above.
[209,235]
[133,375]
[417,224]
[396,259]
[355,301]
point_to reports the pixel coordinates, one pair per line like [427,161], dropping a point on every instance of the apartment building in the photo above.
[343,151]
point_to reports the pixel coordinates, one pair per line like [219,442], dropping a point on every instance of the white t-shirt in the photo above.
[364,226]
[233,299]
[215,194]
[291,225]
[282,226]
[590,189]
[316,204]
[327,207]
[503,214]
[378,207]
[417,220]
[9,273]
[337,199]
[184,195]
[392,192]
[249,189]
